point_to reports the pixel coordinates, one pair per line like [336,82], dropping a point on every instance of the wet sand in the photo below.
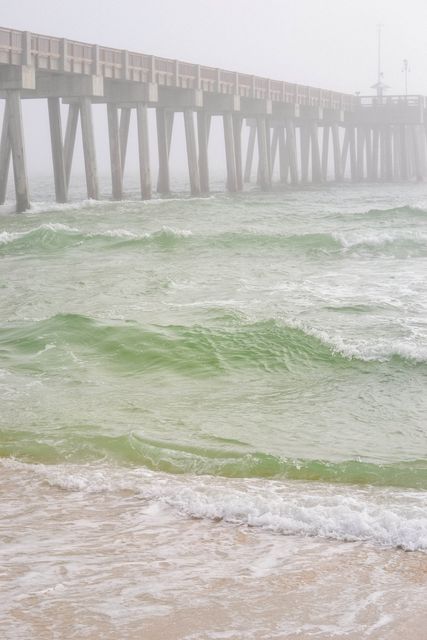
[113,565]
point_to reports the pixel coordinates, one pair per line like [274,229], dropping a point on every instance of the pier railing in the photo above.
[69,56]
[393,101]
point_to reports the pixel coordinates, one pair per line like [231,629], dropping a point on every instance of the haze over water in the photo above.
[213,404]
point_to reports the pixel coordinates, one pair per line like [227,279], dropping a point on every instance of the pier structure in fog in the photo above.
[297,134]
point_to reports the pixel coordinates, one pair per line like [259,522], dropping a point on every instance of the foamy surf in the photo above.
[384,517]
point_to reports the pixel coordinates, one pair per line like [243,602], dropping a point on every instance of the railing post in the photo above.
[26,48]
[125,64]
[152,69]
[63,55]
[95,60]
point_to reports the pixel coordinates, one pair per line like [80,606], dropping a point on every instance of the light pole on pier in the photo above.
[406,69]
[379,85]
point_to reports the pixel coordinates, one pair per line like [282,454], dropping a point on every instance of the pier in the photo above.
[298,135]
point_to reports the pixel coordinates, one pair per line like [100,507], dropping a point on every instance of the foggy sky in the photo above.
[326,43]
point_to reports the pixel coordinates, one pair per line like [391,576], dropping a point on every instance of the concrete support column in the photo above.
[396,153]
[263,154]
[316,166]
[344,152]
[368,145]
[283,156]
[5,153]
[291,145]
[16,137]
[143,150]
[338,168]
[237,132]
[274,145]
[125,114]
[353,153]
[230,152]
[55,124]
[70,139]
[388,153]
[360,153]
[203,125]
[383,152]
[163,183]
[89,148]
[375,152]
[193,166]
[417,155]
[325,152]
[115,151]
[268,140]
[250,154]
[305,152]
[421,145]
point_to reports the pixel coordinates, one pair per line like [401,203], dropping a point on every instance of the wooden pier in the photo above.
[311,135]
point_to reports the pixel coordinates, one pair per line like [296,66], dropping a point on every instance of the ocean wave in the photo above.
[198,350]
[406,210]
[61,236]
[385,517]
[56,236]
[134,450]
[396,237]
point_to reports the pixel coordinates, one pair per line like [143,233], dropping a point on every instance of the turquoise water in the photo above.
[276,336]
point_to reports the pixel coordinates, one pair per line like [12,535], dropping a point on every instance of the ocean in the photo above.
[214,415]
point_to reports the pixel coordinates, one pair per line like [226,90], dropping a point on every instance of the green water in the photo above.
[279,335]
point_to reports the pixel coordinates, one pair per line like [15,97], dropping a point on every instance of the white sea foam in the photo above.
[386,517]
[117,233]
[6,237]
[381,350]
[379,238]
